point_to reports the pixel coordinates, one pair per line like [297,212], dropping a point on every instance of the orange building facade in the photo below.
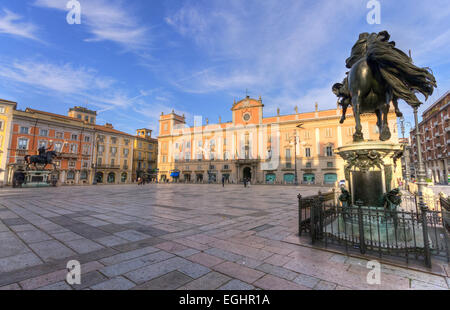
[69,137]
[263,150]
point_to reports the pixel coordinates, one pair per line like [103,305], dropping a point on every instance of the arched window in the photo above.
[124,177]
[289,178]
[111,177]
[70,175]
[99,177]
[271,178]
[309,178]
[330,178]
[83,175]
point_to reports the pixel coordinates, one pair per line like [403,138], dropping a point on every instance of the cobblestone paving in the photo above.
[186,237]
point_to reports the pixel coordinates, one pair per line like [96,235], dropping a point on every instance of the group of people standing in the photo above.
[246,181]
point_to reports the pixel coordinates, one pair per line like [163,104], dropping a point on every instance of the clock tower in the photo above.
[247,112]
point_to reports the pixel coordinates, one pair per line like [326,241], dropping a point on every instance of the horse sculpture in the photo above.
[381,74]
[43,159]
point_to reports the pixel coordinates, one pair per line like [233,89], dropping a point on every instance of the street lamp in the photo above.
[406,151]
[300,126]
[421,169]
[97,141]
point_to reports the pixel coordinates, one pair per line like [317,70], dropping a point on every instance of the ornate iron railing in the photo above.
[411,232]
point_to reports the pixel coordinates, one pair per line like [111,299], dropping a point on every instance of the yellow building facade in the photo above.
[113,151]
[6,117]
[145,154]
[263,150]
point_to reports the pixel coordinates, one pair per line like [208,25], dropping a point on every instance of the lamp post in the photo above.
[97,141]
[406,153]
[421,173]
[300,126]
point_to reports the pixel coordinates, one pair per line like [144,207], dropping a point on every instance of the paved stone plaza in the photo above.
[174,237]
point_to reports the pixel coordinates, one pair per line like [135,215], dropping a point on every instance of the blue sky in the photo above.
[132,60]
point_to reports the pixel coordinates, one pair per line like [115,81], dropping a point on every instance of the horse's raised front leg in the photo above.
[358,136]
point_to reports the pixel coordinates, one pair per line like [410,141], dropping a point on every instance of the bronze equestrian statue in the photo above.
[44,158]
[380,74]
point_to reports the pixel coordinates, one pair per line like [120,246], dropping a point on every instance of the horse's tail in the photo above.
[400,73]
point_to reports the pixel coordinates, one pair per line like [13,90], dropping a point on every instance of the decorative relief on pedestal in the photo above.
[363,160]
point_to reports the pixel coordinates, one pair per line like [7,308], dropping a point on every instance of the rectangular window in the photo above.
[72,164]
[73,148]
[60,135]
[288,154]
[125,152]
[2,110]
[43,132]
[140,145]
[101,149]
[75,137]
[140,156]
[329,164]
[1,125]
[112,162]
[226,167]
[23,144]
[329,132]
[308,165]
[86,149]
[307,135]
[126,141]
[87,139]
[58,147]
[113,150]
[329,151]
[99,161]
[113,140]
[308,152]
[24,130]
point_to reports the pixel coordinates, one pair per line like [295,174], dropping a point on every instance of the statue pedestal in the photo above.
[369,170]
[366,215]
[38,179]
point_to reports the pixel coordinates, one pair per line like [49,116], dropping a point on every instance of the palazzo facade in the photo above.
[263,150]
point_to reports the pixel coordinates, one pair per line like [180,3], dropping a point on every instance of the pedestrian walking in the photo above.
[245,182]
[223,181]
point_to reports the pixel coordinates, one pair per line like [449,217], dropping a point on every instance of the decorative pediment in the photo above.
[247,103]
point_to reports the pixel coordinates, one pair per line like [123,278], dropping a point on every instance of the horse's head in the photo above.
[51,155]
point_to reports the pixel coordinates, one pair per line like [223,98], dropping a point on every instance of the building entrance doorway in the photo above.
[248,173]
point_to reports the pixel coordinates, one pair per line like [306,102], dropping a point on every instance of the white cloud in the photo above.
[111,20]
[261,45]
[59,78]
[295,50]
[10,23]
